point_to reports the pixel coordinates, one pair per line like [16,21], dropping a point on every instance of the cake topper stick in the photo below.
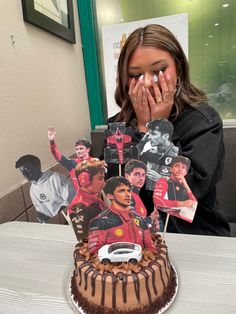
[120,170]
[66,218]
[165,227]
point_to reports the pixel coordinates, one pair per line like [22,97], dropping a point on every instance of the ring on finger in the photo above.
[159,99]
[166,96]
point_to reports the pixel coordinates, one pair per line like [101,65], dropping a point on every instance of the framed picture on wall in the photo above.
[54,16]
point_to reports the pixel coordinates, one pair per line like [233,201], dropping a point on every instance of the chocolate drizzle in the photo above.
[164,260]
[114,281]
[89,270]
[159,267]
[143,272]
[93,280]
[136,286]
[123,278]
[85,264]
[153,278]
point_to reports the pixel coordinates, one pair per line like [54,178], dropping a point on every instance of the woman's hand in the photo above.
[153,101]
[138,96]
[161,103]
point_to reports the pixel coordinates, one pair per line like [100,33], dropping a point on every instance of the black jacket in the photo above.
[198,132]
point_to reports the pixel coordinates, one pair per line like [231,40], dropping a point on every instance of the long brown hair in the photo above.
[157,36]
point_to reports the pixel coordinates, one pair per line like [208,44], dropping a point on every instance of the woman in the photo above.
[153,82]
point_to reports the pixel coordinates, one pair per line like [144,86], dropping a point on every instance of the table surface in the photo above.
[37,260]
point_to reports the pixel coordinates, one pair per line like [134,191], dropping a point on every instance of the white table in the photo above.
[36,261]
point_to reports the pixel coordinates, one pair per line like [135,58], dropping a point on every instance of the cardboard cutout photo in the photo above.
[87,203]
[118,223]
[50,191]
[135,172]
[173,194]
[119,144]
[156,150]
[82,150]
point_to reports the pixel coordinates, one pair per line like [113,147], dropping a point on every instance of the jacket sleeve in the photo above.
[96,240]
[200,137]
[159,193]
[68,163]
[55,151]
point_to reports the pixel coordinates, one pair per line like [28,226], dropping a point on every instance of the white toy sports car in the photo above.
[120,252]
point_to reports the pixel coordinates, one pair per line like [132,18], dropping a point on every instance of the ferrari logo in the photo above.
[137,222]
[119,232]
[168,160]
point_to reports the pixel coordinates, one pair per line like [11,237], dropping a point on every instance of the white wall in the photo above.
[42,83]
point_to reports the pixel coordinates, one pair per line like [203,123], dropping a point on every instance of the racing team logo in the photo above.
[119,232]
[42,197]
[168,160]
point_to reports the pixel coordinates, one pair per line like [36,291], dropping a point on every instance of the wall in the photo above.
[42,84]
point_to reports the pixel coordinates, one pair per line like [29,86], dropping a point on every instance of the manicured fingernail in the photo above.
[141,77]
[160,72]
[155,78]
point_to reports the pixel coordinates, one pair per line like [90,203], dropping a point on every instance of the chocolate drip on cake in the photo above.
[159,267]
[149,267]
[114,281]
[143,272]
[85,264]
[89,270]
[123,278]
[93,280]
[136,286]
[164,261]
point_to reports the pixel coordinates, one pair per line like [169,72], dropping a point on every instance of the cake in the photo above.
[145,287]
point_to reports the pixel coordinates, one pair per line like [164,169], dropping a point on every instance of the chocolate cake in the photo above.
[145,287]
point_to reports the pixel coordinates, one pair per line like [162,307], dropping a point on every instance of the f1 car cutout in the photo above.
[119,144]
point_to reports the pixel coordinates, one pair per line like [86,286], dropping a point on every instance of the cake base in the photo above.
[83,306]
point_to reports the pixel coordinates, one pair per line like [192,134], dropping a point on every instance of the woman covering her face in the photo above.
[153,82]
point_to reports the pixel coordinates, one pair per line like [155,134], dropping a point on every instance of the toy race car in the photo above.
[119,144]
[120,252]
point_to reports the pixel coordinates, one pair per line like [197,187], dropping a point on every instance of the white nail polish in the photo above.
[155,78]
[141,77]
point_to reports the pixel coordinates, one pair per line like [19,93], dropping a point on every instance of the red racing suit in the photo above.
[168,193]
[114,225]
[84,207]
[137,204]
[68,163]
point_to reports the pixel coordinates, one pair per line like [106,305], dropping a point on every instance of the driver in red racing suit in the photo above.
[118,223]
[82,149]
[87,203]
